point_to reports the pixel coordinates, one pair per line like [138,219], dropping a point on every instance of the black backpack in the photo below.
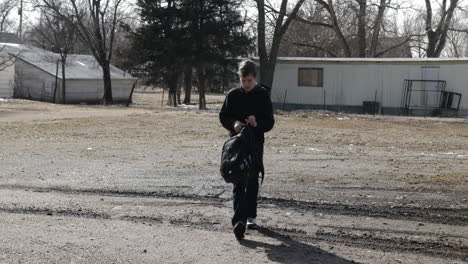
[239,159]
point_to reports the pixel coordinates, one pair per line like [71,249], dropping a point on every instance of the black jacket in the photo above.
[239,104]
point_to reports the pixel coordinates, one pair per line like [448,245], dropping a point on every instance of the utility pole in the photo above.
[20,13]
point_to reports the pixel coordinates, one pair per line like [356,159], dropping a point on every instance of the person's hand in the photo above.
[251,121]
[238,126]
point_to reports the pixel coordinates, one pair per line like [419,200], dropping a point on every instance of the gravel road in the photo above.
[94,184]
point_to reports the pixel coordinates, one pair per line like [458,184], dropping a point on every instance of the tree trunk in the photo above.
[64,81]
[262,52]
[179,91]
[188,84]
[172,95]
[336,27]
[362,40]
[201,88]
[56,82]
[268,61]
[432,40]
[107,99]
[267,75]
[438,38]
[376,31]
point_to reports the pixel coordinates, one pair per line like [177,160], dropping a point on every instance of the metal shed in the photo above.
[345,84]
[7,77]
[39,77]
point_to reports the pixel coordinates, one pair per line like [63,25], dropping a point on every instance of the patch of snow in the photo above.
[315,149]
[184,106]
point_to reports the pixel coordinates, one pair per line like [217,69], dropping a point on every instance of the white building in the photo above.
[344,84]
[37,74]
[7,76]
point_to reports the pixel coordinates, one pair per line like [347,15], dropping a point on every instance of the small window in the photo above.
[310,77]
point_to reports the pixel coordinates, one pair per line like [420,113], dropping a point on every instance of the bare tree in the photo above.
[333,23]
[6,6]
[7,61]
[437,32]
[361,34]
[456,38]
[188,83]
[281,22]
[309,35]
[377,26]
[96,22]
[457,34]
[58,35]
[357,25]
[122,38]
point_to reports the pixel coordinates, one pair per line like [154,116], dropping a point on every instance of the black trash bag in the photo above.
[239,158]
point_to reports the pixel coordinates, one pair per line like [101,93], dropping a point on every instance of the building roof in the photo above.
[7,48]
[77,66]
[9,37]
[371,60]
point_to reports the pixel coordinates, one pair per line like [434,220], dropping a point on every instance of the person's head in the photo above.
[247,74]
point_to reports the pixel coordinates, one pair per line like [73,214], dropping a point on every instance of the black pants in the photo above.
[245,195]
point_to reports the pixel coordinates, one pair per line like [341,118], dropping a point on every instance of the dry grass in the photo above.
[307,146]
[451,178]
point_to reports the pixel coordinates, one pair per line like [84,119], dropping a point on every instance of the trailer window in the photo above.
[310,77]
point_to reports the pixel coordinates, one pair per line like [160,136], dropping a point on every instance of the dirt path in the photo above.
[100,184]
[289,233]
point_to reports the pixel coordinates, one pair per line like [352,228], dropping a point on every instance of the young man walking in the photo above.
[248,105]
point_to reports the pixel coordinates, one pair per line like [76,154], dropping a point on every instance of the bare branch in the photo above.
[312,23]
[315,47]
[408,39]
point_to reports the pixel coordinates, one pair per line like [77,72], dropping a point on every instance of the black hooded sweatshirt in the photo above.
[239,104]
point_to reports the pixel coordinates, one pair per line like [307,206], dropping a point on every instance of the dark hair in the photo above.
[247,67]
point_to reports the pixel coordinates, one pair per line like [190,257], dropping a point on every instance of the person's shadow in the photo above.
[291,251]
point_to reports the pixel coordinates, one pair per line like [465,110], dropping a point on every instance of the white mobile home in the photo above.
[345,84]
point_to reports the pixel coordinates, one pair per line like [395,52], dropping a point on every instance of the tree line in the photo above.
[180,44]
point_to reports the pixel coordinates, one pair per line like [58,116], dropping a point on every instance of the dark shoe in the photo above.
[239,230]
[251,223]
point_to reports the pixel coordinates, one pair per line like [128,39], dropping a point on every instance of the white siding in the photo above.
[457,81]
[80,90]
[7,77]
[34,83]
[349,84]
[121,89]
